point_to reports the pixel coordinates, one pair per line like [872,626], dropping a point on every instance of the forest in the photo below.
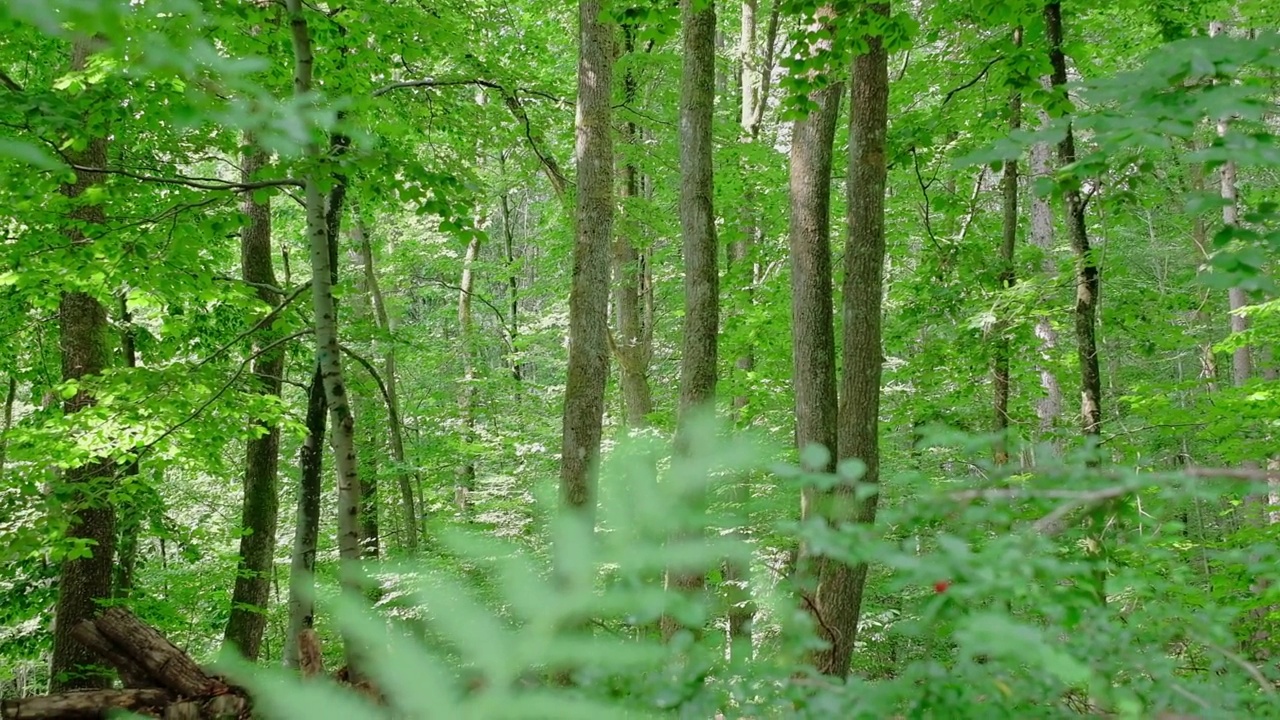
[649,358]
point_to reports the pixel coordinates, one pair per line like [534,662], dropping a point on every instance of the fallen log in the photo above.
[84,704]
[160,659]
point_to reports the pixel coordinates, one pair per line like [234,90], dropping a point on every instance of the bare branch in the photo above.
[198,183]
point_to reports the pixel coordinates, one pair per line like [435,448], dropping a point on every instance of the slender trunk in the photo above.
[701,251]
[262,452]
[1049,407]
[1242,357]
[812,321]
[404,479]
[465,481]
[129,520]
[1006,280]
[589,293]
[302,563]
[1087,280]
[10,397]
[328,357]
[365,396]
[740,270]
[633,345]
[513,289]
[840,590]
[766,68]
[83,324]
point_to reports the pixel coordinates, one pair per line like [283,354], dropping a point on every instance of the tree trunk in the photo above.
[741,273]
[128,518]
[365,404]
[10,398]
[1087,281]
[262,453]
[840,590]
[1049,407]
[589,293]
[701,251]
[328,357]
[513,290]
[302,564]
[1242,357]
[465,481]
[632,292]
[83,324]
[1006,281]
[404,479]
[812,321]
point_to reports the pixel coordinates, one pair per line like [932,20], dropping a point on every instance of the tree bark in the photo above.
[404,479]
[1006,280]
[1242,357]
[465,481]
[840,591]
[701,250]
[633,293]
[302,564]
[128,517]
[812,316]
[328,356]
[261,507]
[589,293]
[1086,270]
[84,580]
[10,398]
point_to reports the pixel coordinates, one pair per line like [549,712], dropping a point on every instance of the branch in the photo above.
[502,320]
[981,74]
[256,326]
[222,390]
[512,100]
[382,387]
[10,83]
[198,183]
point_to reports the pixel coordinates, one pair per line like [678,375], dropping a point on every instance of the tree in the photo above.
[1086,265]
[700,332]
[85,576]
[593,233]
[840,591]
[1007,277]
[262,453]
[328,356]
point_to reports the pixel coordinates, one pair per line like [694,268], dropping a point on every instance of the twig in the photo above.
[1243,664]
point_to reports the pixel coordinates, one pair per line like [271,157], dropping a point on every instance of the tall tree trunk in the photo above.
[128,517]
[633,345]
[395,428]
[513,288]
[311,456]
[83,326]
[812,322]
[10,397]
[701,251]
[1049,407]
[740,271]
[840,590]
[465,482]
[328,357]
[593,233]
[261,507]
[302,564]
[1006,280]
[1242,357]
[365,406]
[1087,281]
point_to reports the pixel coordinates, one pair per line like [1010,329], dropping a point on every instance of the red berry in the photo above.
[941,586]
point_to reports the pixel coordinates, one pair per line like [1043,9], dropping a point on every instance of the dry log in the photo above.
[161,659]
[83,704]
[131,674]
